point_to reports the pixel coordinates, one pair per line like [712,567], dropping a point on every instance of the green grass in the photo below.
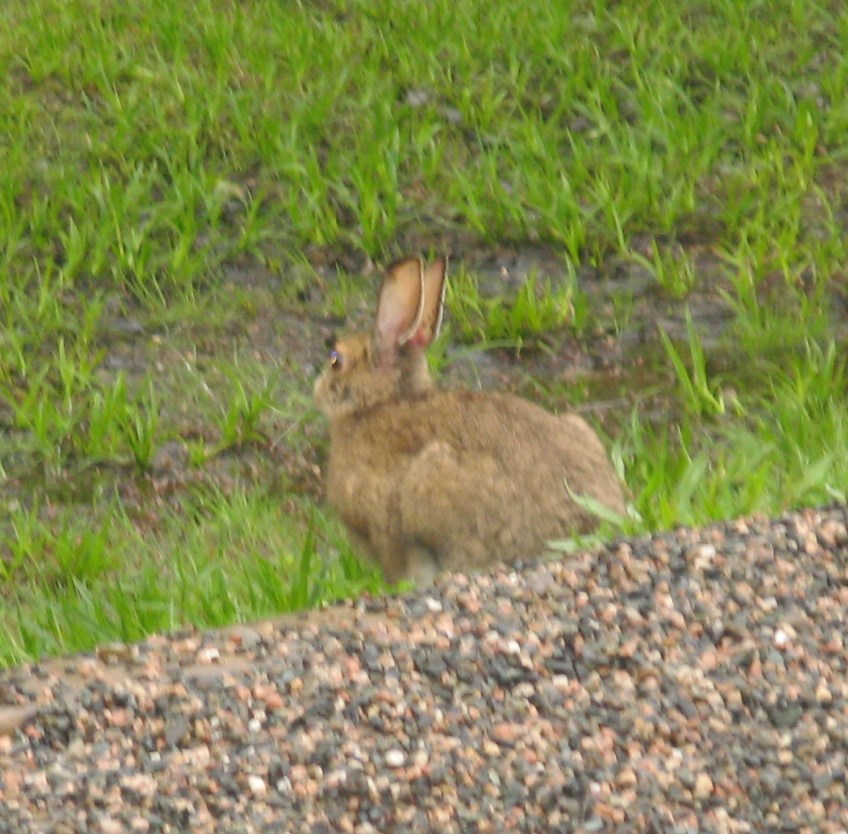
[786,448]
[222,558]
[180,181]
[536,309]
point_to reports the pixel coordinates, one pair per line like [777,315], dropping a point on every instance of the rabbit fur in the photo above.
[429,480]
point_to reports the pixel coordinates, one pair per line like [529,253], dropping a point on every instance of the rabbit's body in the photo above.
[431,480]
[449,493]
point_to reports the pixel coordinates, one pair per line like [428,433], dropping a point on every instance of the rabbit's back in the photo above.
[458,480]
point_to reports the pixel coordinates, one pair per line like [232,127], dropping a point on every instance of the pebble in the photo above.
[703,786]
[257,786]
[693,681]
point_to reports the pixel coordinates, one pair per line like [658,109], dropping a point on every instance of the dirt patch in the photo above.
[266,332]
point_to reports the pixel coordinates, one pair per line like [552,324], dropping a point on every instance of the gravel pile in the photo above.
[696,681]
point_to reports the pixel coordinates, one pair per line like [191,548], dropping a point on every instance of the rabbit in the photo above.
[429,480]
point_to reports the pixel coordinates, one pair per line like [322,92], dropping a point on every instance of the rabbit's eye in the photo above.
[336,359]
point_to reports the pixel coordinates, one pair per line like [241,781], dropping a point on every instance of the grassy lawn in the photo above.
[193,197]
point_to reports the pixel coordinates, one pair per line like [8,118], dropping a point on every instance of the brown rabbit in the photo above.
[431,480]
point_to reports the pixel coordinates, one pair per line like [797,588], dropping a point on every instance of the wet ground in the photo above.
[265,332]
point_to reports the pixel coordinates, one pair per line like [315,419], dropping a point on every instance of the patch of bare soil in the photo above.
[274,327]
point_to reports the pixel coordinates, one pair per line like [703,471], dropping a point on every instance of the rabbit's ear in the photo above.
[401,305]
[434,303]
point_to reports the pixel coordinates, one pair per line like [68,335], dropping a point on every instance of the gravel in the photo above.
[695,681]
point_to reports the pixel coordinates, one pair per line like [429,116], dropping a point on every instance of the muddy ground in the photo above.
[263,335]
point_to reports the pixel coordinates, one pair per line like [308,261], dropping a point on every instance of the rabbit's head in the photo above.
[368,368]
